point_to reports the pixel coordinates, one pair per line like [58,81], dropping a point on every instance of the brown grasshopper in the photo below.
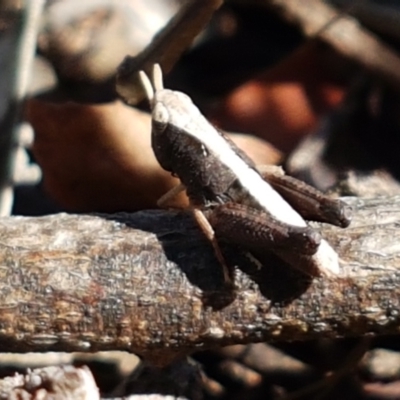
[230,198]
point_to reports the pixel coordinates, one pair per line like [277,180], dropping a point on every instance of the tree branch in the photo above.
[342,32]
[149,283]
[166,47]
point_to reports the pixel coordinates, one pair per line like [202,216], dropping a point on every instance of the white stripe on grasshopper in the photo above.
[177,109]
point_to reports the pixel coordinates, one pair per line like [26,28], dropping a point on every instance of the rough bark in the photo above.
[149,283]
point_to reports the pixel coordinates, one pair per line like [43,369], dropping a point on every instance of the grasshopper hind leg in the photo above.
[308,201]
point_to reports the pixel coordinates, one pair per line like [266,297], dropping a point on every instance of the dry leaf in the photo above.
[97,157]
[285,102]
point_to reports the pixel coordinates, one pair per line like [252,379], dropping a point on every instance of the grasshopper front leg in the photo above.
[204,225]
[171,194]
[208,230]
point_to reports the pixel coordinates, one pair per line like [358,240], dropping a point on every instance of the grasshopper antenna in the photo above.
[147,86]
[157,77]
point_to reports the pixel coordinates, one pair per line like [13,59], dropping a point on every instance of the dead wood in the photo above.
[149,283]
[381,17]
[61,382]
[343,32]
[166,48]
[65,382]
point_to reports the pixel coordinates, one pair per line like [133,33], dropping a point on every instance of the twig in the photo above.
[149,283]
[382,18]
[324,386]
[167,46]
[344,33]
[20,56]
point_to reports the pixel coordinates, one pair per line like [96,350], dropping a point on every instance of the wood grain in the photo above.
[148,283]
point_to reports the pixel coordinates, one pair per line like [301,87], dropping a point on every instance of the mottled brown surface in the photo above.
[149,283]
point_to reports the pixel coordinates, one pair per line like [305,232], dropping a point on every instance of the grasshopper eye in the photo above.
[160,114]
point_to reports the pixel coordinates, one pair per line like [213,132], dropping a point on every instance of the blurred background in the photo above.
[311,85]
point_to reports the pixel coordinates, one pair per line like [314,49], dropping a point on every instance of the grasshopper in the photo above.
[258,209]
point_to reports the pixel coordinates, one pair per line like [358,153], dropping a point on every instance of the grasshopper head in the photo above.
[169,107]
